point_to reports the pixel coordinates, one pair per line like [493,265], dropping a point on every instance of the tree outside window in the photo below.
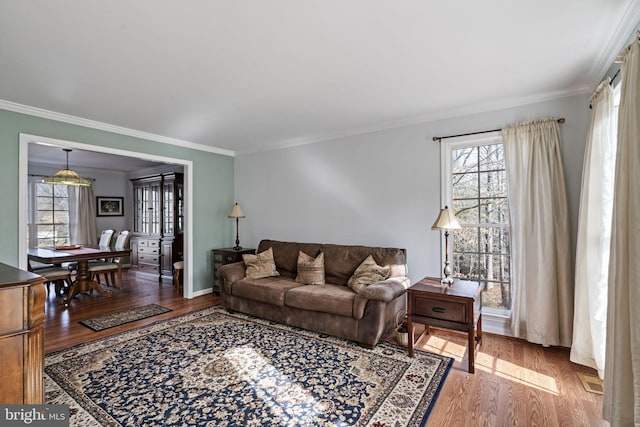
[480,250]
[51,215]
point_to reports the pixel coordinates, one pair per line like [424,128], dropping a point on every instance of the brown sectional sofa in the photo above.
[366,317]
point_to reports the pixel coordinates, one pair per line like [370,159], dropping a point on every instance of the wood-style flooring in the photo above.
[515,383]
[62,328]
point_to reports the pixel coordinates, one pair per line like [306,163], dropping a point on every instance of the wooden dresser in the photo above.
[22,298]
[147,255]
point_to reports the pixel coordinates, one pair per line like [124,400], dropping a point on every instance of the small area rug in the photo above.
[127,316]
[212,368]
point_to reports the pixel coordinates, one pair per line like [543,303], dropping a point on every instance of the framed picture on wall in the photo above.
[109,206]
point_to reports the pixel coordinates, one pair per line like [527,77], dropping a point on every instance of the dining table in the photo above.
[82,255]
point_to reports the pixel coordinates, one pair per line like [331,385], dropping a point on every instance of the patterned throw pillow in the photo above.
[367,273]
[261,265]
[310,270]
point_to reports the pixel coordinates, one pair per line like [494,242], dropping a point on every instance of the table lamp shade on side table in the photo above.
[446,221]
[237,213]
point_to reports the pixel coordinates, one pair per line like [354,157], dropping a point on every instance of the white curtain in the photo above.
[82,216]
[542,273]
[594,233]
[621,402]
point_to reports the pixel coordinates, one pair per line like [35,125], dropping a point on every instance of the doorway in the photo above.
[143,159]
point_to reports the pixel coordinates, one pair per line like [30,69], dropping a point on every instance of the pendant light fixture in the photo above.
[67,176]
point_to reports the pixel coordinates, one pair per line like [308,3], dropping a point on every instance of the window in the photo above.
[476,188]
[49,214]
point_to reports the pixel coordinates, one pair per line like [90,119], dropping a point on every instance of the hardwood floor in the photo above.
[515,383]
[62,328]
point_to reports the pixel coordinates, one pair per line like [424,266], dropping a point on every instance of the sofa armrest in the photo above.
[233,272]
[386,290]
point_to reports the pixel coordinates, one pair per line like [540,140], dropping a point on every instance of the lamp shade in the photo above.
[67,176]
[446,220]
[236,212]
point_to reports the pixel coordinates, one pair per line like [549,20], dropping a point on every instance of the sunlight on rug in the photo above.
[122,317]
[213,368]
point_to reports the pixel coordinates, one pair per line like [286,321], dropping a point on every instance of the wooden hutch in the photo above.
[158,224]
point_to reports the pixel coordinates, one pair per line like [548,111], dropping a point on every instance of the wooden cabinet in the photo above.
[224,256]
[158,220]
[148,254]
[22,297]
[457,307]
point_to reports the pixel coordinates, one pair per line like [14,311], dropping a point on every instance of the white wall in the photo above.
[114,184]
[380,188]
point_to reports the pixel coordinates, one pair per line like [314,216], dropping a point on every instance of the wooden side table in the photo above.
[456,307]
[224,256]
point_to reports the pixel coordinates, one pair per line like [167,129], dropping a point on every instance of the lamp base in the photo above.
[448,281]
[237,248]
[446,272]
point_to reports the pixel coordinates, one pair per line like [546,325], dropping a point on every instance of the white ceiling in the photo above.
[55,157]
[248,75]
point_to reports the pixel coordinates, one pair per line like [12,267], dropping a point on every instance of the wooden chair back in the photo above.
[106,237]
[122,241]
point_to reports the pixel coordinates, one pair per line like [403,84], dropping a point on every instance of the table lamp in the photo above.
[446,221]
[236,212]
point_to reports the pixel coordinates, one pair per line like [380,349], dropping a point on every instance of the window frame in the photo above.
[32,222]
[446,149]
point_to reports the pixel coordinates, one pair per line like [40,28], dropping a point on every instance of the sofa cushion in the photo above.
[332,299]
[340,261]
[260,265]
[398,270]
[310,269]
[270,290]
[367,273]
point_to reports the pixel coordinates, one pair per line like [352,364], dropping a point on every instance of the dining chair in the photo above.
[109,267]
[106,239]
[59,276]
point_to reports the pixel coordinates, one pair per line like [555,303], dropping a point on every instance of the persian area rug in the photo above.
[116,319]
[211,368]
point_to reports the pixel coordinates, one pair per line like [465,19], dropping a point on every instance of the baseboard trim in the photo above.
[496,324]
[202,292]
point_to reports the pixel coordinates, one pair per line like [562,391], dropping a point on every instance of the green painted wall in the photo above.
[213,186]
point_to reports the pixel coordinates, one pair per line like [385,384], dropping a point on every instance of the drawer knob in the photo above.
[439,309]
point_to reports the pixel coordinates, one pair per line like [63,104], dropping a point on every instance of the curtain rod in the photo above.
[440,138]
[614,76]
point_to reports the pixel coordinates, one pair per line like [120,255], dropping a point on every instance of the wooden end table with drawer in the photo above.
[456,307]
[224,256]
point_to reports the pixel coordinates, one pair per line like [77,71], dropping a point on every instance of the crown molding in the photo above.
[423,119]
[623,34]
[74,120]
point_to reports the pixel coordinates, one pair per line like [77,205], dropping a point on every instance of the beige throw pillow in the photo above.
[310,270]
[260,265]
[368,272]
